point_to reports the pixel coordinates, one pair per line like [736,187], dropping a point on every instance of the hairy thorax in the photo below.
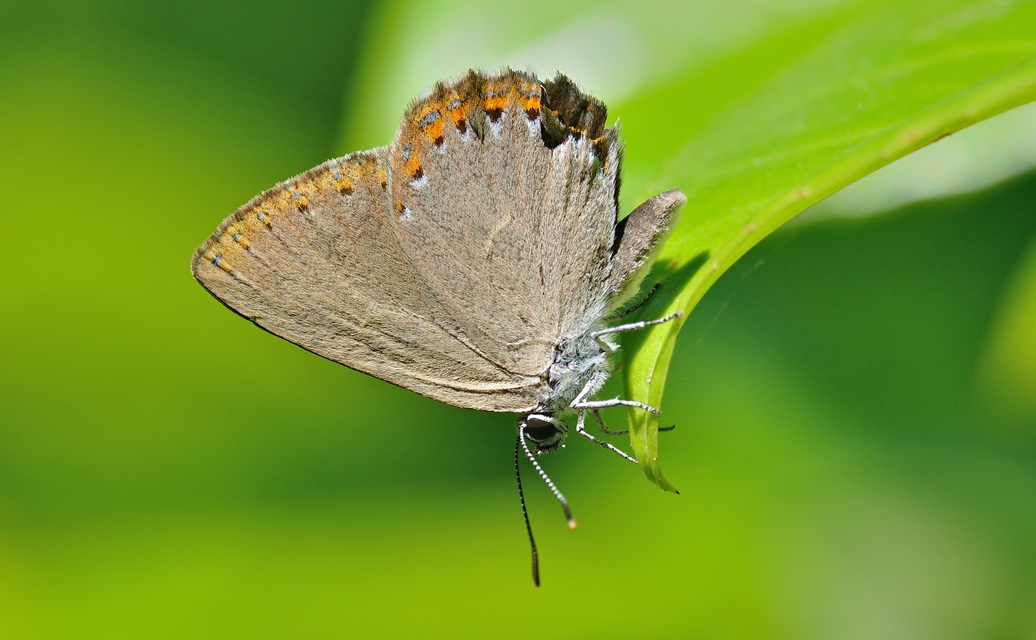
[581,362]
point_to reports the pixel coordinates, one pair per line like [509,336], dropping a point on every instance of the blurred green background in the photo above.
[855,400]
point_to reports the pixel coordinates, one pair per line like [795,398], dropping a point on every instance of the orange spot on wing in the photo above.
[457,110]
[236,233]
[530,97]
[381,173]
[298,200]
[342,183]
[495,98]
[216,259]
[432,123]
[412,165]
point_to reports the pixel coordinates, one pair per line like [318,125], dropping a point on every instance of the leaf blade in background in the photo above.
[755,110]
[818,126]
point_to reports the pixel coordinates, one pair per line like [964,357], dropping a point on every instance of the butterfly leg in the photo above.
[579,403]
[604,429]
[594,383]
[632,326]
[622,432]
[633,306]
[581,430]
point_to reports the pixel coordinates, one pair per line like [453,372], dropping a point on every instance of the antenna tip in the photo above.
[571,523]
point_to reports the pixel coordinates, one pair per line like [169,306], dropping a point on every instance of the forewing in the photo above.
[314,261]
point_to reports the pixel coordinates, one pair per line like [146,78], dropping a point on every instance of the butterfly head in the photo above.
[544,430]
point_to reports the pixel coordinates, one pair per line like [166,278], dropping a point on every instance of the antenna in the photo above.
[525,513]
[543,474]
[520,443]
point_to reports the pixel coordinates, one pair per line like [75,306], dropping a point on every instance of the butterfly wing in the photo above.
[639,236]
[511,205]
[314,261]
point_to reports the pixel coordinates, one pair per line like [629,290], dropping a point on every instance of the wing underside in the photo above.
[452,263]
[314,261]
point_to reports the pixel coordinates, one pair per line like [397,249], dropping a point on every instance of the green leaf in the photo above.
[875,88]
[756,110]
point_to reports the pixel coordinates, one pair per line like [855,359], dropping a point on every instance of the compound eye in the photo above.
[539,430]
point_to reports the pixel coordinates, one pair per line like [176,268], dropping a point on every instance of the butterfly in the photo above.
[477,260]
